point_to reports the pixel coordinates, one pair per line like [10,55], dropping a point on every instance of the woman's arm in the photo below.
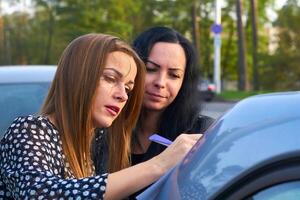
[125,182]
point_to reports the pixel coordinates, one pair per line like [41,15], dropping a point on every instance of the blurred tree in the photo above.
[15,39]
[206,39]
[284,63]
[107,16]
[229,47]
[195,25]
[257,38]
[242,66]
[255,80]
[230,50]
[49,9]
[2,47]
[39,35]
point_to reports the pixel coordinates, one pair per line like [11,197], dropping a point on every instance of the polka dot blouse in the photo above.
[33,165]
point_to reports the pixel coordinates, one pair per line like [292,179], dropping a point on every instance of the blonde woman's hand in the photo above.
[176,151]
[141,175]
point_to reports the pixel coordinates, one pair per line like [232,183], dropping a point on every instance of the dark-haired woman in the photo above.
[171,103]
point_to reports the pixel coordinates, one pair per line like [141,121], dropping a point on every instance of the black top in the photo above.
[200,126]
[33,165]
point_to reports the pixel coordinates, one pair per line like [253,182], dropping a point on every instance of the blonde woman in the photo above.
[98,84]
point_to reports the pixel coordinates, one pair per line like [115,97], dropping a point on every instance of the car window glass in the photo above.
[286,191]
[20,99]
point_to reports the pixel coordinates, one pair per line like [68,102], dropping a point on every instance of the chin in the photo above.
[107,124]
[154,108]
[103,123]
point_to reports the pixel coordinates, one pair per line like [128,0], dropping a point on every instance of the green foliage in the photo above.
[16,35]
[40,37]
[284,64]
[239,95]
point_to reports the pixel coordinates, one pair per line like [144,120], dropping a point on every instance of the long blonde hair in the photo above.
[71,95]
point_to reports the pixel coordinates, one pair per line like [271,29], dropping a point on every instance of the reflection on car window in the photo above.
[20,99]
[284,191]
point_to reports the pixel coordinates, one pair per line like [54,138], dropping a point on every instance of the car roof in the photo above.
[26,73]
[256,131]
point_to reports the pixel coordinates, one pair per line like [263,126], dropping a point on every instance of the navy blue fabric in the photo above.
[33,165]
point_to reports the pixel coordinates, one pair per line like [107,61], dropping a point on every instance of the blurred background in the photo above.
[260,39]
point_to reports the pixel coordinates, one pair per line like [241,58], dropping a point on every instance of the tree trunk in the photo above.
[2,46]
[195,25]
[242,72]
[256,84]
[227,50]
[49,37]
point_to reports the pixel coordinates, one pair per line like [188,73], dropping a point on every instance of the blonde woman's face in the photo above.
[115,84]
[165,72]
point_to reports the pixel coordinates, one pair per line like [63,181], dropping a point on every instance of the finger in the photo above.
[188,137]
[195,136]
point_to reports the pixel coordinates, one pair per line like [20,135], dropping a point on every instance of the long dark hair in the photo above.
[180,115]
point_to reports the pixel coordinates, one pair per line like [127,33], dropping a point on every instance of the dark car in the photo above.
[207,89]
[22,91]
[252,152]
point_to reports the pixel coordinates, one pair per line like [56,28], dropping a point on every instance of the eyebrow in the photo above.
[119,74]
[157,65]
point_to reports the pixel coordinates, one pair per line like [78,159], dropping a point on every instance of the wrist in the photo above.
[158,165]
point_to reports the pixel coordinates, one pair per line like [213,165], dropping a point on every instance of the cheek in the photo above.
[122,105]
[101,95]
[175,87]
[149,79]
[103,91]
[96,106]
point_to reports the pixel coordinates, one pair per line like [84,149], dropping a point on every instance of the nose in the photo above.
[121,94]
[160,81]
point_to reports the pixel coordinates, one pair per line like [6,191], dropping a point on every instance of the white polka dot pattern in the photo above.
[33,166]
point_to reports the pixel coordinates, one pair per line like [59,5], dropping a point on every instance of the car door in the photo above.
[272,180]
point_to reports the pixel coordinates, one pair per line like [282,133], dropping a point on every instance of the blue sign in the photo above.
[216,28]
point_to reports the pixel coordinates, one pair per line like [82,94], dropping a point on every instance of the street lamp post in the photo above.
[217,29]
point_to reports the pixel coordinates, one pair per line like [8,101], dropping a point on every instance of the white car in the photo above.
[22,91]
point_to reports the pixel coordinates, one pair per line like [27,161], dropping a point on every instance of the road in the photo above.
[216,109]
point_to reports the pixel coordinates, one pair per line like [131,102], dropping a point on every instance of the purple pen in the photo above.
[160,140]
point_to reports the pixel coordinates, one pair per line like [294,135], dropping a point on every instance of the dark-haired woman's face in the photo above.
[165,72]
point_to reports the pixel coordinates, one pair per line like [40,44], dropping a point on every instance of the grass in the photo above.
[238,95]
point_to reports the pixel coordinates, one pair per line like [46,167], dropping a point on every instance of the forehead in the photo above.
[171,54]
[166,49]
[123,63]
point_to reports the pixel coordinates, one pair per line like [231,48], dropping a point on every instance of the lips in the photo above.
[113,110]
[155,96]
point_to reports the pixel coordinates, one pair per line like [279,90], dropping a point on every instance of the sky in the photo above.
[7,8]
[25,4]
[278,4]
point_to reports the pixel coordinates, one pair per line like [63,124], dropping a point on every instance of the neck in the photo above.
[150,121]
[149,126]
